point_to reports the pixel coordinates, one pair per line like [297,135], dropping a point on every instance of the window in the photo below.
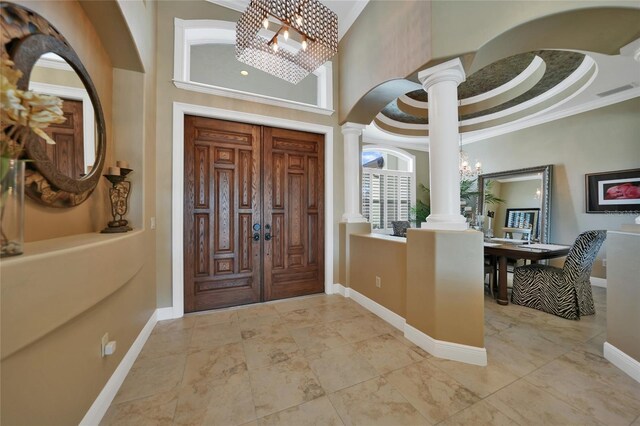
[204,61]
[388,186]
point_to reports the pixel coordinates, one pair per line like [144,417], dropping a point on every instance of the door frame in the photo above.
[181,109]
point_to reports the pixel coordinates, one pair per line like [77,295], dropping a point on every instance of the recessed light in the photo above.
[243,72]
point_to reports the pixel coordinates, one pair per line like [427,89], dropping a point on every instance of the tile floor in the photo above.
[324,360]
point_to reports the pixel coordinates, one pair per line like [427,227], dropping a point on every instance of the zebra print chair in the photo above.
[563,292]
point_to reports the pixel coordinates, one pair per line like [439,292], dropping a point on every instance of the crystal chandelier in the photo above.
[304,36]
[466,171]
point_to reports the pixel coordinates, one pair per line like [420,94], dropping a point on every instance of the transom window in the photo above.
[388,186]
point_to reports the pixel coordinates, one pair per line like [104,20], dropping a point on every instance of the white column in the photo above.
[352,164]
[441,83]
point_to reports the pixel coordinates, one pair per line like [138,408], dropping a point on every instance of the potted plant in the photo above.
[22,112]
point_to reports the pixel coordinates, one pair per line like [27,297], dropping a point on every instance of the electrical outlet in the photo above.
[152,223]
[604,263]
[378,282]
[103,344]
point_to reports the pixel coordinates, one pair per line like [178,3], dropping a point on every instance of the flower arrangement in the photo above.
[22,112]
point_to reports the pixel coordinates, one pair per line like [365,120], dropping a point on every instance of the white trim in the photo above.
[167,313]
[399,124]
[53,61]
[623,361]
[598,282]
[250,97]
[438,348]
[341,290]
[110,389]
[480,135]
[201,31]
[88,115]
[535,64]
[587,65]
[177,172]
[386,314]
[398,152]
[447,350]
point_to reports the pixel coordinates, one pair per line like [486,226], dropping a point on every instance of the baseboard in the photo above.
[447,350]
[598,282]
[104,399]
[341,290]
[623,361]
[167,313]
[438,348]
[386,314]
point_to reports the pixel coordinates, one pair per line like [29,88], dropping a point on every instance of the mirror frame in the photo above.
[545,204]
[44,182]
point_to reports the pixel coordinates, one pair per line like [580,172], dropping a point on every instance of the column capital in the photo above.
[352,128]
[447,71]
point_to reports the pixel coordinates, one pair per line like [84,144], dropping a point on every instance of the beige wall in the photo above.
[57,376]
[623,291]
[444,300]
[389,40]
[601,140]
[216,64]
[413,35]
[422,281]
[56,76]
[42,222]
[167,94]
[373,255]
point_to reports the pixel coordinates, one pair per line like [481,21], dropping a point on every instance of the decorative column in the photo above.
[441,84]
[352,164]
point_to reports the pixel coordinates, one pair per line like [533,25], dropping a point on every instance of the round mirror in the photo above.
[63,174]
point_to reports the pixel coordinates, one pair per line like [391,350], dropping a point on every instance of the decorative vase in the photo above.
[11,207]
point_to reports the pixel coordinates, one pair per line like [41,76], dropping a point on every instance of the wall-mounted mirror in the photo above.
[64,174]
[526,210]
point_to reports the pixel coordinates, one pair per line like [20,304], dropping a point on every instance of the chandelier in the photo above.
[302,38]
[466,171]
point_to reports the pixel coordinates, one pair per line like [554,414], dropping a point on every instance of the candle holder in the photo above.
[118,196]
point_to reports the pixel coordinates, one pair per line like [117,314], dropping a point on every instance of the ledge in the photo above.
[383,237]
[251,97]
[56,280]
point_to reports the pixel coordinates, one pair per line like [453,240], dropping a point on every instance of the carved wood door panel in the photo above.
[253,214]
[293,212]
[68,152]
[222,203]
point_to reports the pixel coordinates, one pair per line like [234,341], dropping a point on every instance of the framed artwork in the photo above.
[613,192]
[523,218]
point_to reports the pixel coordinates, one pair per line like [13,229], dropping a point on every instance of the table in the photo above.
[505,251]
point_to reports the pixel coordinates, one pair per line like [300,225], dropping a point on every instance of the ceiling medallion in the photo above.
[286,38]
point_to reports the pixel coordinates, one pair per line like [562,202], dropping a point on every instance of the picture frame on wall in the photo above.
[613,192]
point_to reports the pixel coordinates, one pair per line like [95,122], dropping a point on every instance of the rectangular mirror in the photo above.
[526,210]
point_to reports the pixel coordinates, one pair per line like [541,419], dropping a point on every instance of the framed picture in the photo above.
[613,192]
[523,218]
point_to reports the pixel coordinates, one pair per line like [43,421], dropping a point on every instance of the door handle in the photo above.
[267,235]
[256,236]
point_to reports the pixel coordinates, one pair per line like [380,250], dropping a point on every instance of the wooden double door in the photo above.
[253,213]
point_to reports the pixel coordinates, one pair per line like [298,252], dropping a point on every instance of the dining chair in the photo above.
[400,227]
[489,269]
[563,292]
